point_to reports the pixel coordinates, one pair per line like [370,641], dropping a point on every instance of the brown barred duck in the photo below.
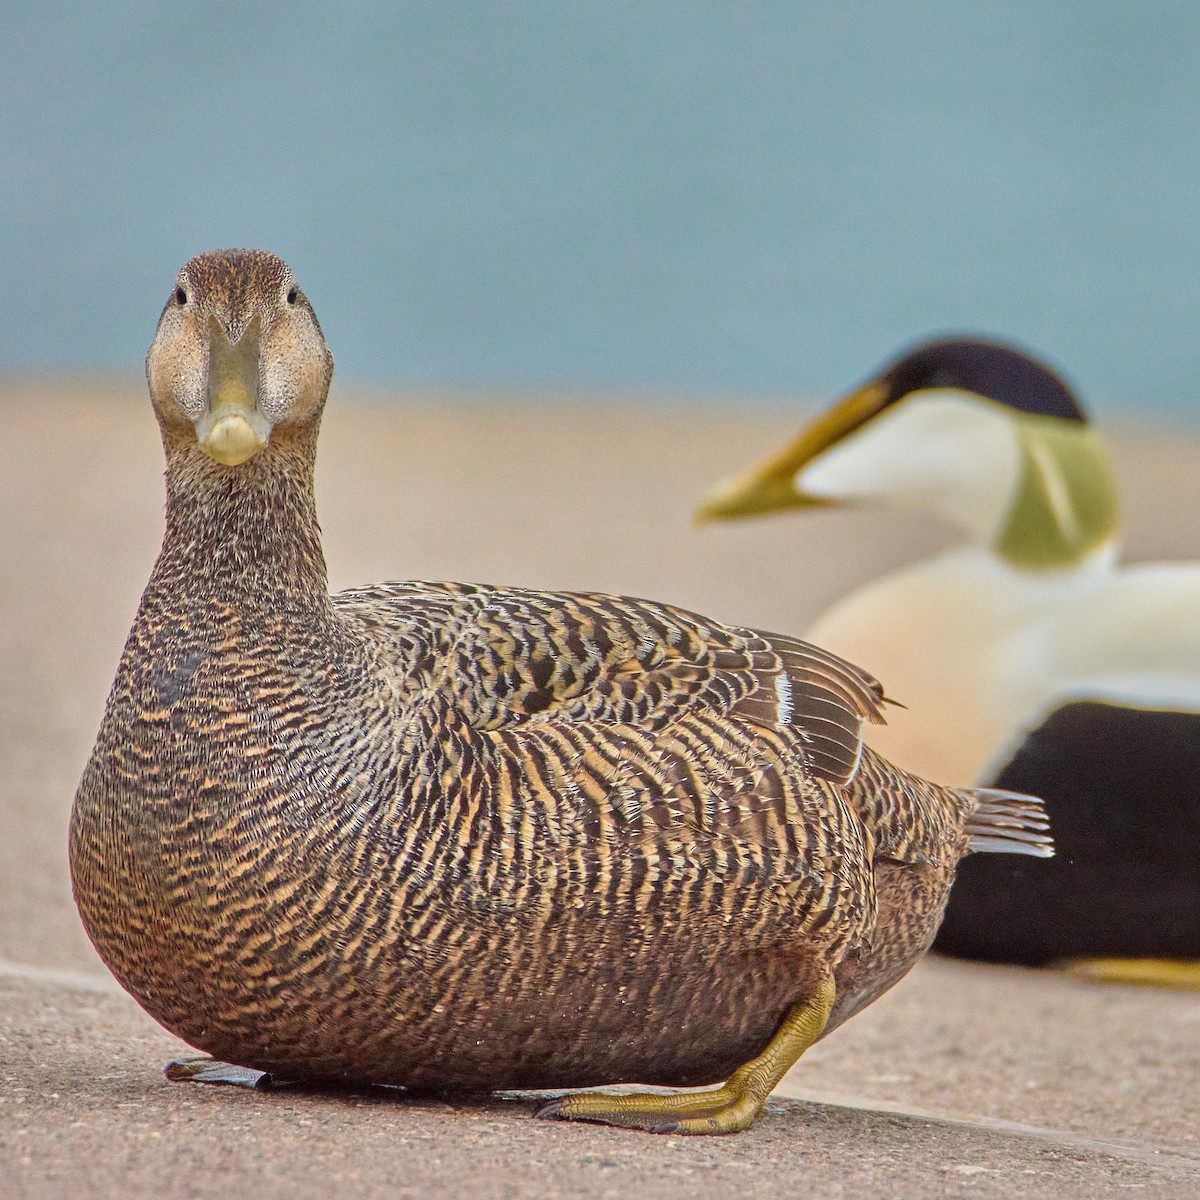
[460,837]
[1026,657]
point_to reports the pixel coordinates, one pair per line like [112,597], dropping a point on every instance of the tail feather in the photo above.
[1008,823]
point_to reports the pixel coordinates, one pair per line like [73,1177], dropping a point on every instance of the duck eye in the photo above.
[180,297]
[291,295]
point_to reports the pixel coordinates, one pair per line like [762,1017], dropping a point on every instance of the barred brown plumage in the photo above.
[469,837]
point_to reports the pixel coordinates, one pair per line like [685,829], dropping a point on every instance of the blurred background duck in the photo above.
[1025,656]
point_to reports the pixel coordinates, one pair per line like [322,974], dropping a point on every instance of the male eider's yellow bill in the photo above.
[771,485]
[234,428]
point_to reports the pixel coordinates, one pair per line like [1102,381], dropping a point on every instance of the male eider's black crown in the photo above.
[989,369]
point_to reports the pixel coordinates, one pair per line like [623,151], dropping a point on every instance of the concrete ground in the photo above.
[963,1081]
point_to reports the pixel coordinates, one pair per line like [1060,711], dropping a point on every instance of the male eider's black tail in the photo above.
[1008,823]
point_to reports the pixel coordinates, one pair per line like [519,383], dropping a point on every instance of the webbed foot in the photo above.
[729,1108]
[199,1068]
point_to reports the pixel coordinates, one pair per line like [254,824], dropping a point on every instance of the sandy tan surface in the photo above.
[963,1081]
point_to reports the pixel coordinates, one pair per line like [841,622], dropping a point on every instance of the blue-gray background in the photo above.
[678,196]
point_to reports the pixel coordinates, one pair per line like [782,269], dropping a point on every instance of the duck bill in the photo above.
[234,428]
[771,486]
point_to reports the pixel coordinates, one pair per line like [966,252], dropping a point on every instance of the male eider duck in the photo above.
[1025,658]
[464,837]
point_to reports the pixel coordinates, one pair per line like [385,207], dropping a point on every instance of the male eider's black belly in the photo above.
[1122,790]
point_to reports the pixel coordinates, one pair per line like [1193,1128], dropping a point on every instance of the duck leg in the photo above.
[1183,974]
[199,1068]
[727,1109]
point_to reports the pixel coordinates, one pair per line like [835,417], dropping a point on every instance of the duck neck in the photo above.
[250,532]
[1064,508]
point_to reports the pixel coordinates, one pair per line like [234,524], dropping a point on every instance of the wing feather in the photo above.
[512,656]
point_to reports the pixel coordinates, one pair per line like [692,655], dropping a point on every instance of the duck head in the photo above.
[238,357]
[975,431]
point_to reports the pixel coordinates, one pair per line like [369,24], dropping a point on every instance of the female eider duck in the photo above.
[1025,658]
[463,837]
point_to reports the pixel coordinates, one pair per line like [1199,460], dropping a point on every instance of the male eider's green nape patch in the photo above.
[1065,505]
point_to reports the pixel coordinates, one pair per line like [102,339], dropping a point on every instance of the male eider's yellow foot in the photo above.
[1182,973]
[199,1068]
[728,1109]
